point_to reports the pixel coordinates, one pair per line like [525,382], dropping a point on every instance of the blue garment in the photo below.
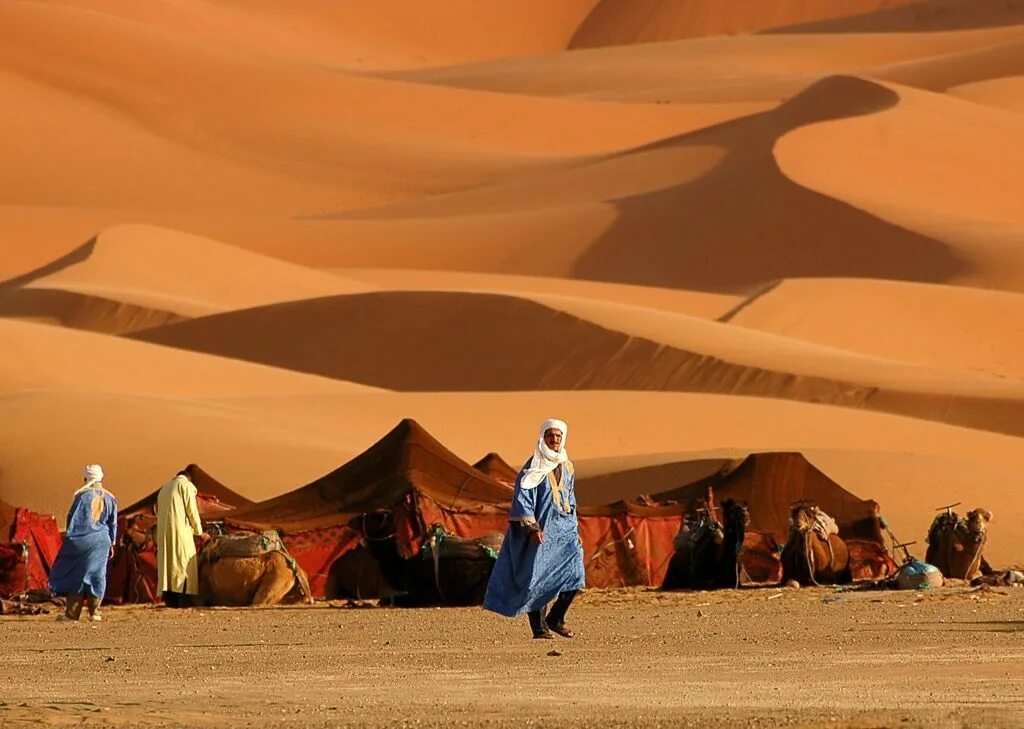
[81,564]
[527,575]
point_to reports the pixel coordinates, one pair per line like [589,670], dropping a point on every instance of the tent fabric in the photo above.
[771,484]
[219,497]
[408,475]
[29,542]
[497,468]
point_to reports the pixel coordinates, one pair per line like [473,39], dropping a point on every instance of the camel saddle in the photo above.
[443,545]
[244,545]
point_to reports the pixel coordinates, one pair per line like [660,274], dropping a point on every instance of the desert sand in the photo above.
[257,235]
[764,658]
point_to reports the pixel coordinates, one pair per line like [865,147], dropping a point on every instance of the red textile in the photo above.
[35,540]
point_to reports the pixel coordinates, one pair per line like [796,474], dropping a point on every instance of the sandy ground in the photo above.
[764,657]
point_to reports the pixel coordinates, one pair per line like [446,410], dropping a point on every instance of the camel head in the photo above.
[737,515]
[802,519]
[977,523]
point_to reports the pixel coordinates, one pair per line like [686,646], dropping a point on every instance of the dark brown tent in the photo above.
[214,497]
[395,491]
[497,468]
[771,483]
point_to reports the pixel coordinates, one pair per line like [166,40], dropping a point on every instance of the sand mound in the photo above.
[366,34]
[370,339]
[936,326]
[37,357]
[615,23]
[906,165]
[141,442]
[1004,93]
[926,15]
[957,69]
[187,275]
[717,71]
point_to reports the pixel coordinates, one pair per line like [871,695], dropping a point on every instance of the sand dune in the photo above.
[738,69]
[141,442]
[938,326]
[370,339]
[799,231]
[614,23]
[924,16]
[906,165]
[168,271]
[38,357]
[692,303]
[1004,93]
[361,34]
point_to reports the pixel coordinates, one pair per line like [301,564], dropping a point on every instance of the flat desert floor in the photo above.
[756,658]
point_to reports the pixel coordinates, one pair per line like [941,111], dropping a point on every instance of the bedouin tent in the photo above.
[391,495]
[771,484]
[29,542]
[131,574]
[497,468]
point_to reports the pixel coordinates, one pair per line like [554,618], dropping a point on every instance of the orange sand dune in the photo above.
[222,130]
[739,69]
[141,442]
[925,16]
[370,339]
[187,275]
[365,33]
[936,326]
[616,23]
[693,303]
[957,69]
[1005,93]
[40,357]
[906,165]
[741,224]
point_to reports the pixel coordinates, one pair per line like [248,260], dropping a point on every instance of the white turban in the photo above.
[544,459]
[93,475]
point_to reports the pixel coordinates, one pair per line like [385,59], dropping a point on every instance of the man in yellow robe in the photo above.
[177,569]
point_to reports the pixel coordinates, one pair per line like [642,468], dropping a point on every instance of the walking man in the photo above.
[541,558]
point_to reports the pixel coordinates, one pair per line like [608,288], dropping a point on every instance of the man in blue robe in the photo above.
[80,569]
[541,558]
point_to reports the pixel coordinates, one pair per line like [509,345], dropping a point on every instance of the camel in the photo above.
[957,546]
[737,518]
[696,562]
[267,578]
[812,556]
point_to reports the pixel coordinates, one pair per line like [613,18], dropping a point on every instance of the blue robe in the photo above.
[81,564]
[527,575]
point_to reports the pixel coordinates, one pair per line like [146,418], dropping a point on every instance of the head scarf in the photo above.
[544,459]
[93,475]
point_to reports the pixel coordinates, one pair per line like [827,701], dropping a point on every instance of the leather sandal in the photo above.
[562,631]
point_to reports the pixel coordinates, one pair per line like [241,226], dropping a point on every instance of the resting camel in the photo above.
[957,546]
[269,578]
[810,556]
[696,562]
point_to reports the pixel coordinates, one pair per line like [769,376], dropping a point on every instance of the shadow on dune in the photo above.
[745,222]
[930,15]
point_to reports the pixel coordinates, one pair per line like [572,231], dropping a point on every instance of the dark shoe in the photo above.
[562,631]
[546,635]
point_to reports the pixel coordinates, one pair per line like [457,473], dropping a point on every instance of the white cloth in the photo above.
[544,459]
[177,521]
[93,475]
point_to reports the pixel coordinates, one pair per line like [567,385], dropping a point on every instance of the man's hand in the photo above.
[537,535]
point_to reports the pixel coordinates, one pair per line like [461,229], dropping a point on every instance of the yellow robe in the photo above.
[177,520]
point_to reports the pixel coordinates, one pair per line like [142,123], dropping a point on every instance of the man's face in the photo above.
[553,438]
